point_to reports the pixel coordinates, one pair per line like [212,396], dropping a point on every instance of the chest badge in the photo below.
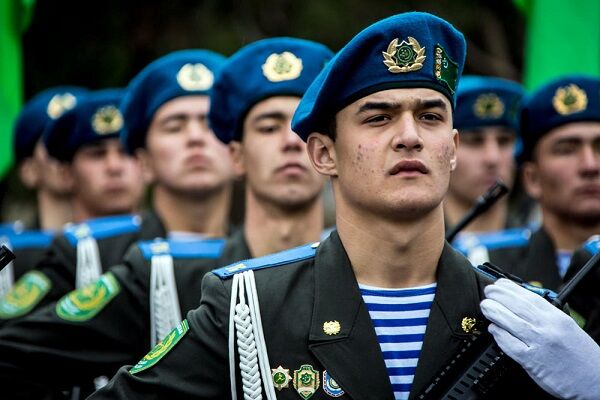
[467,324]
[306,381]
[281,377]
[331,327]
[330,386]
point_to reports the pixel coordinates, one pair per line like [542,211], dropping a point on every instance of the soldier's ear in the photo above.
[146,164]
[237,156]
[531,180]
[455,140]
[28,173]
[321,151]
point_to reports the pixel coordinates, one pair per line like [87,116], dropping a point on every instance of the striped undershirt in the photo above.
[400,318]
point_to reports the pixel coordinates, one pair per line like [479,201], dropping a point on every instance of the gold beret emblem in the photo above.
[59,104]
[488,106]
[107,120]
[282,67]
[404,57]
[331,327]
[569,99]
[195,77]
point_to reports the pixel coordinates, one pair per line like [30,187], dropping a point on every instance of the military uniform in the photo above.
[55,275]
[299,291]
[85,341]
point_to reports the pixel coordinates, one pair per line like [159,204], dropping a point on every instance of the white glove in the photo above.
[558,355]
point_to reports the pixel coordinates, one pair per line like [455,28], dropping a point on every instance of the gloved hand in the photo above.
[558,355]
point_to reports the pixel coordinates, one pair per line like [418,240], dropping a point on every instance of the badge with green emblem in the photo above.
[306,381]
[162,348]
[445,69]
[83,304]
[24,295]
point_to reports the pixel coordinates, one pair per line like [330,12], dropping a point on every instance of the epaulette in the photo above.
[11,227]
[29,239]
[271,260]
[102,228]
[515,237]
[592,245]
[201,248]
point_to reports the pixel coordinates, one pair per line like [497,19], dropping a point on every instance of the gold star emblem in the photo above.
[331,327]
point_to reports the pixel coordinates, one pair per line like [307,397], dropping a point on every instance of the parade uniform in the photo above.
[314,320]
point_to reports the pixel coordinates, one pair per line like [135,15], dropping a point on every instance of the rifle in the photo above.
[483,203]
[6,256]
[480,364]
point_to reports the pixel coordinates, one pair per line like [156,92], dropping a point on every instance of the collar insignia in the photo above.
[467,324]
[331,327]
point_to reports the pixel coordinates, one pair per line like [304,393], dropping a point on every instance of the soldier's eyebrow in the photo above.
[182,117]
[417,104]
[269,115]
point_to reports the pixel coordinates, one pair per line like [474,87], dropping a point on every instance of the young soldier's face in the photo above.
[106,180]
[182,153]
[273,158]
[393,153]
[485,154]
[565,173]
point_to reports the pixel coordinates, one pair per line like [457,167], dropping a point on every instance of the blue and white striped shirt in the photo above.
[400,318]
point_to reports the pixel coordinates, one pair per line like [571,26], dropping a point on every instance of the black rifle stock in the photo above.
[483,203]
[480,364]
[6,256]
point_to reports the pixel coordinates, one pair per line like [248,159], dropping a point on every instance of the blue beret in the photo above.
[487,101]
[37,113]
[181,73]
[567,99]
[266,68]
[95,117]
[410,50]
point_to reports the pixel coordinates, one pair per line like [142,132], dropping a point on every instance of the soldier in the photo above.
[560,126]
[42,173]
[349,317]
[164,119]
[486,116]
[159,281]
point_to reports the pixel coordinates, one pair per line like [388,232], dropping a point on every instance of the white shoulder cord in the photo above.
[254,359]
[7,275]
[88,268]
[165,312]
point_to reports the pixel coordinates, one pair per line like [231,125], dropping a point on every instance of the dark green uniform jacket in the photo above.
[298,292]
[57,347]
[55,275]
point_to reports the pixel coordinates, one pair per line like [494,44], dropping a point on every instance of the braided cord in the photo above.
[165,312]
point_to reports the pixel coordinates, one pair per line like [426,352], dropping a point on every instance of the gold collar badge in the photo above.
[569,100]
[467,324]
[488,106]
[282,67]
[195,77]
[331,327]
[59,104]
[107,120]
[404,57]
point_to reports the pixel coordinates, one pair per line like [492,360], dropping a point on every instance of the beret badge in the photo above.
[107,120]
[569,100]
[488,106]
[195,77]
[59,104]
[404,57]
[282,67]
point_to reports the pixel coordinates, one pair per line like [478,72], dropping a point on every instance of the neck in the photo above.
[269,229]
[392,254]
[566,234]
[54,211]
[494,219]
[207,214]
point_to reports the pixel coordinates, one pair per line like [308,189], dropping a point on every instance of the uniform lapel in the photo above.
[457,296]
[352,357]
